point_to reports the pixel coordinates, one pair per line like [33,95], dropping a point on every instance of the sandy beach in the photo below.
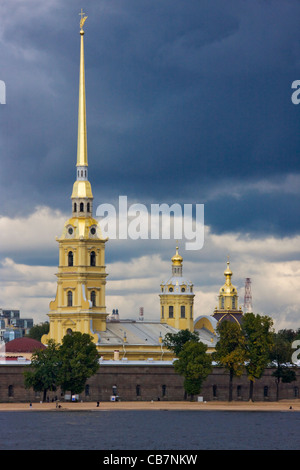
[283,405]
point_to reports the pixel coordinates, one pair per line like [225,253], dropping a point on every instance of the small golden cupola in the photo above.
[228,300]
[177,297]
[177,263]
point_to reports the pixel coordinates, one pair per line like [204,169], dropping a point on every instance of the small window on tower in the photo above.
[70,298]
[93,258]
[81,207]
[70,258]
[171,311]
[93,298]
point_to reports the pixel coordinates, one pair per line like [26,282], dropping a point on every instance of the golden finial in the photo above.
[83,19]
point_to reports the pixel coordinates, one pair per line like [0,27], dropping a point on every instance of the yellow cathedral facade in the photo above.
[80,305]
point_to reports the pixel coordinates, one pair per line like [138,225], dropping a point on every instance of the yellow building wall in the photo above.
[176,301]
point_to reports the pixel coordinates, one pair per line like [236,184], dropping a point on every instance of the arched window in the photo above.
[81,207]
[171,311]
[93,258]
[138,390]
[93,298]
[182,311]
[75,207]
[70,298]
[88,207]
[70,258]
[162,311]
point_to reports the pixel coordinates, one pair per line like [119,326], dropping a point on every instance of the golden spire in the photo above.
[82,187]
[228,273]
[82,136]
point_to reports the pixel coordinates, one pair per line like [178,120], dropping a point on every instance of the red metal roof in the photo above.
[23,345]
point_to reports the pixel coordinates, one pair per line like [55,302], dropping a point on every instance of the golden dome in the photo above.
[177,259]
[228,289]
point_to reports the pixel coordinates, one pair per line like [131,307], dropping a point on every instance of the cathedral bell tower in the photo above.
[80,298]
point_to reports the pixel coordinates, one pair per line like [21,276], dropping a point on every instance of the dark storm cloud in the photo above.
[182,97]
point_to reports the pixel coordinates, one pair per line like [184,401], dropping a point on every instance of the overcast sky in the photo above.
[188,101]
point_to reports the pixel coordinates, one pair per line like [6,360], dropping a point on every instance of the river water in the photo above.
[149,430]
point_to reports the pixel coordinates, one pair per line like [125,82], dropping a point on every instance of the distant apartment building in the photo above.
[12,326]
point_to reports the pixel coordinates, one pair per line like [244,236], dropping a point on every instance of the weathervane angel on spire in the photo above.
[83,18]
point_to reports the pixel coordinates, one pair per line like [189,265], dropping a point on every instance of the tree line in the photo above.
[249,347]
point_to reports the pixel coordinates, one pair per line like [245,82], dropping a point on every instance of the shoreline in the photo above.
[283,405]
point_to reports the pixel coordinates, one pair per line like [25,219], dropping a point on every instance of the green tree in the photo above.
[37,331]
[42,373]
[194,363]
[230,350]
[258,344]
[289,335]
[176,341]
[281,355]
[79,360]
